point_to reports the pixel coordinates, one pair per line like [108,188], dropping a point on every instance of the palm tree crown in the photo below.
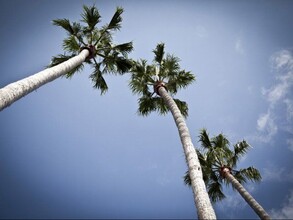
[217,156]
[105,56]
[165,71]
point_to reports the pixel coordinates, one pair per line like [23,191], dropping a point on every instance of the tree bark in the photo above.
[201,198]
[14,91]
[248,198]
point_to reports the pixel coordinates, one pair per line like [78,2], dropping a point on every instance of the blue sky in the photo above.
[67,152]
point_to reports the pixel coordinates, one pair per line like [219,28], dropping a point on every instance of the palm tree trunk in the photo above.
[248,198]
[14,91]
[201,198]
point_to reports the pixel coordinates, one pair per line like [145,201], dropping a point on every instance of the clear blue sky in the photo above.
[67,152]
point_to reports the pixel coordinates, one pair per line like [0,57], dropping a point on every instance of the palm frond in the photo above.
[159,53]
[98,79]
[220,141]
[183,107]
[215,191]
[116,20]
[240,149]
[91,17]
[181,80]
[204,139]
[249,173]
[64,23]
[71,45]
[160,105]
[62,58]
[124,48]
[146,105]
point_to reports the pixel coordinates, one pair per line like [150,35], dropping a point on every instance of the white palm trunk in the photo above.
[201,198]
[14,91]
[248,198]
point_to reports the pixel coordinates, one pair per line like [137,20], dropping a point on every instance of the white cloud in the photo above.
[274,173]
[201,31]
[267,127]
[282,59]
[278,93]
[289,108]
[239,46]
[286,211]
[290,144]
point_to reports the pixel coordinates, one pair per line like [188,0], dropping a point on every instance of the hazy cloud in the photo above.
[282,63]
[266,126]
[290,144]
[239,46]
[201,31]
[286,211]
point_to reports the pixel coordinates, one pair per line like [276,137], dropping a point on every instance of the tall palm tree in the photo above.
[219,164]
[85,43]
[157,84]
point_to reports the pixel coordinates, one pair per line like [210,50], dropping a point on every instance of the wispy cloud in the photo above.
[267,127]
[274,173]
[239,46]
[278,93]
[201,31]
[286,211]
[290,144]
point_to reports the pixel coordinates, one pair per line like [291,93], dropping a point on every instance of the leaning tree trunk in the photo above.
[14,91]
[201,198]
[248,198]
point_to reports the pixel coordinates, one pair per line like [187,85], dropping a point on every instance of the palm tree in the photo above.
[84,44]
[219,162]
[157,84]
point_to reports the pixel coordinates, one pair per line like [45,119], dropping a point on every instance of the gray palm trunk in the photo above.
[201,198]
[14,91]
[248,198]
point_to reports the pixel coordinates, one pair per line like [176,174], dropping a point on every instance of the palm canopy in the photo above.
[215,155]
[105,56]
[164,71]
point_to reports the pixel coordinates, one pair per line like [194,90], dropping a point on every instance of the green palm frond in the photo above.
[161,107]
[124,49]
[64,23]
[115,22]
[204,139]
[62,58]
[170,67]
[146,105]
[215,191]
[240,149]
[91,17]
[115,63]
[181,80]
[249,173]
[183,107]
[71,45]
[159,53]
[98,79]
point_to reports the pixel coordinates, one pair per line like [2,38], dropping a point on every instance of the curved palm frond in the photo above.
[204,139]
[91,17]
[146,105]
[215,191]
[159,53]
[115,23]
[98,79]
[181,80]
[70,44]
[124,49]
[65,24]
[249,173]
[240,149]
